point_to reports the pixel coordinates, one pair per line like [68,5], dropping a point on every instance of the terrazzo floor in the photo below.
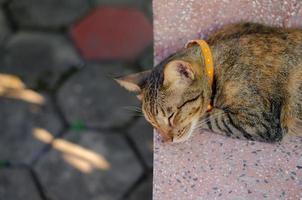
[209,166]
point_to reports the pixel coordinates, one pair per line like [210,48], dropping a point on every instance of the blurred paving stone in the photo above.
[113,33]
[17,184]
[72,173]
[134,3]
[3,1]
[18,121]
[4,28]
[144,191]
[38,58]
[93,98]
[142,135]
[146,59]
[145,6]
[48,13]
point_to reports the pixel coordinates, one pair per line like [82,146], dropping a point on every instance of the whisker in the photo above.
[134,109]
[202,122]
[138,116]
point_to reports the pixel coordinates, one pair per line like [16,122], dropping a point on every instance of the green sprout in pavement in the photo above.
[3,163]
[78,126]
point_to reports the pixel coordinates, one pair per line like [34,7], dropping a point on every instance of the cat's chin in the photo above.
[187,135]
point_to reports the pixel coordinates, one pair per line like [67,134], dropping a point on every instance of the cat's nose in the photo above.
[166,135]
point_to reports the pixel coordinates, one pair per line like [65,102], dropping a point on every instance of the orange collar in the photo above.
[207,56]
[208,59]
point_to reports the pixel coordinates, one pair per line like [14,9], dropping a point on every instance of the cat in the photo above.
[255,94]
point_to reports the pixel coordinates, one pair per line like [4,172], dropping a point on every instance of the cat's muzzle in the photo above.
[185,134]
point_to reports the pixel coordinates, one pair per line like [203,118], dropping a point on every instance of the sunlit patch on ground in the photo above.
[83,159]
[12,87]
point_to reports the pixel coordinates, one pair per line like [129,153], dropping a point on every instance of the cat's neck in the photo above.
[220,52]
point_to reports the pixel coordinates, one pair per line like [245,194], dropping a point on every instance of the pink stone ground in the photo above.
[209,166]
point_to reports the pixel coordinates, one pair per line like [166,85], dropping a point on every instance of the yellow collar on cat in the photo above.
[208,59]
[207,56]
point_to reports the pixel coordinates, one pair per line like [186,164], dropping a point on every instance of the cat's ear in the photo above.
[178,71]
[133,82]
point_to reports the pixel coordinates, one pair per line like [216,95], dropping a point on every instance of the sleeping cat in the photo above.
[254,90]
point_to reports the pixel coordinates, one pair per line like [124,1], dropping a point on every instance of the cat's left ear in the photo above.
[133,82]
[179,73]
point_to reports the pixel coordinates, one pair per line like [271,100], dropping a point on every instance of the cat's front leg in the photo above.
[241,125]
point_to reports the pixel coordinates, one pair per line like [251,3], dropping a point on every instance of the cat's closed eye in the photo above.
[189,101]
[171,118]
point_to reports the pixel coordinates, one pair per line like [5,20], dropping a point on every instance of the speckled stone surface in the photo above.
[177,21]
[214,167]
[210,166]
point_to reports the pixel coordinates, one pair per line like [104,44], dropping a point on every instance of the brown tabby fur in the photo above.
[257,90]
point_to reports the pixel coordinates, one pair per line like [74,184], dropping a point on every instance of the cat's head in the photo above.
[174,94]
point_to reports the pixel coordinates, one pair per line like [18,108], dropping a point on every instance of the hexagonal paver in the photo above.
[113,33]
[142,135]
[3,1]
[146,59]
[95,99]
[48,13]
[135,3]
[144,191]
[38,58]
[19,119]
[145,6]
[17,184]
[89,165]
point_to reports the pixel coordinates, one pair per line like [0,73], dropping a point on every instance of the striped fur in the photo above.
[257,90]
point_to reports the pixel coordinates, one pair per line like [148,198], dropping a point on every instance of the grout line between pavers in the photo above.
[41,29]
[45,149]
[36,181]
[38,185]
[135,185]
[57,109]
[71,41]
[142,54]
[9,17]
[65,76]
[136,152]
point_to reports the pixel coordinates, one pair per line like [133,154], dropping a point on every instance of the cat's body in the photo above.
[257,89]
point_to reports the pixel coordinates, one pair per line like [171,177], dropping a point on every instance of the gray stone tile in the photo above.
[38,58]
[145,6]
[94,98]
[144,191]
[142,135]
[17,184]
[4,27]
[19,120]
[146,59]
[135,3]
[3,1]
[48,13]
[148,9]
[89,165]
